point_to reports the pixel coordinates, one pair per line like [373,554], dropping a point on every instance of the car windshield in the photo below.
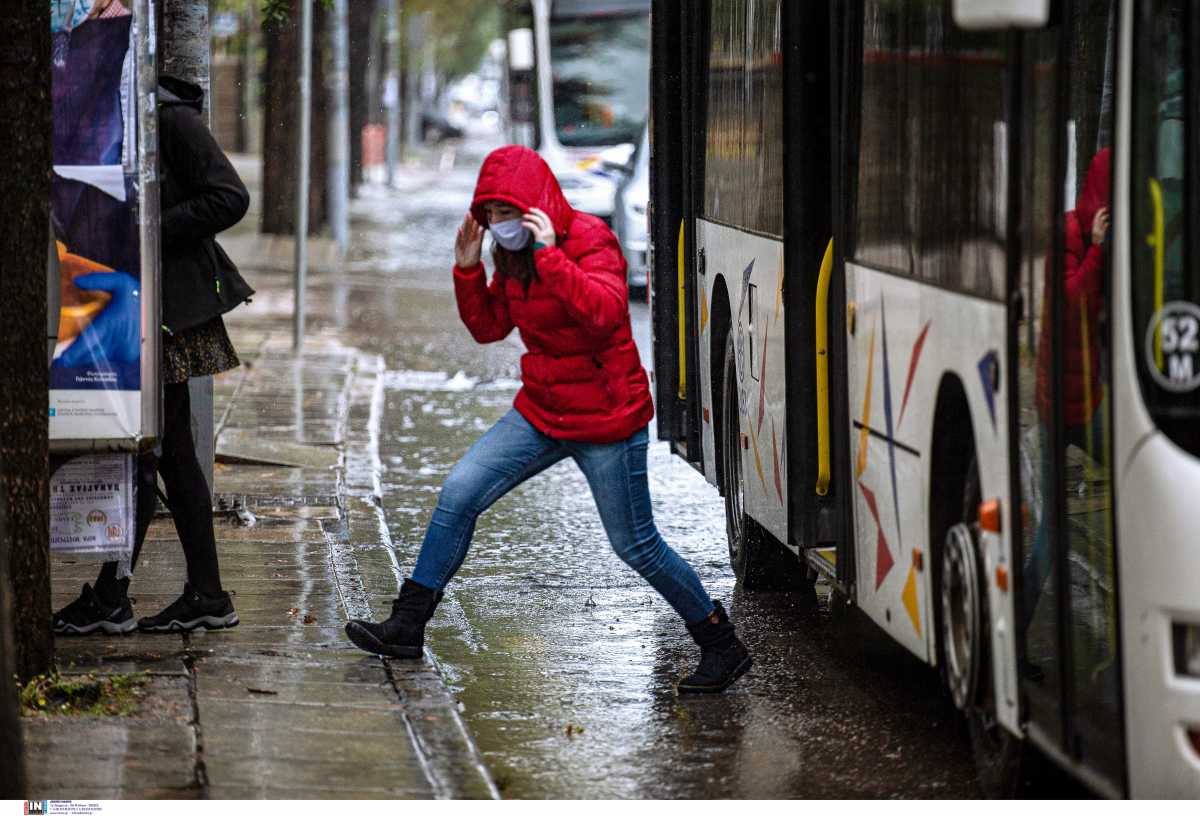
[1166,276]
[600,67]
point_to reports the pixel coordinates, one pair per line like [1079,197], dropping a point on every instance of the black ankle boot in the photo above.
[403,634]
[723,658]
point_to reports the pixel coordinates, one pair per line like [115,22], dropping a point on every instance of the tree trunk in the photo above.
[12,763]
[186,46]
[25,131]
[280,115]
[360,51]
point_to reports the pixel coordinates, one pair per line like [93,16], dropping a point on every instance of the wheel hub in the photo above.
[961,615]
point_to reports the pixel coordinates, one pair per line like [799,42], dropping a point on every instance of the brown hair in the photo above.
[516,265]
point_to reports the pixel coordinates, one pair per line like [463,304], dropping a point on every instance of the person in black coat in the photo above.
[201,195]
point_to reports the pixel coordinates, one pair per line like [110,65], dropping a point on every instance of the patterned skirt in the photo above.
[198,352]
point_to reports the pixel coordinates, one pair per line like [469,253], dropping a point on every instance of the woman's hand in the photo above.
[1100,226]
[538,223]
[469,243]
[98,8]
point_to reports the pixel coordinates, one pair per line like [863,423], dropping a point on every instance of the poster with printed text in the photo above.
[92,506]
[96,370]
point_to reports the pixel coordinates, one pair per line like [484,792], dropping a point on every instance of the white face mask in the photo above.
[511,234]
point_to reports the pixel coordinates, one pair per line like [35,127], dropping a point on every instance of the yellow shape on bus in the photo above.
[909,598]
[863,435]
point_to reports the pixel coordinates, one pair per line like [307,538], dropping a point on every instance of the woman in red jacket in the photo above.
[560,281]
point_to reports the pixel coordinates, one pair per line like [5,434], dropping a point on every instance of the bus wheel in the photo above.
[758,562]
[966,651]
[961,615]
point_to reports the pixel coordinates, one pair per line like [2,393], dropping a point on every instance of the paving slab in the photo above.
[238,446]
[151,754]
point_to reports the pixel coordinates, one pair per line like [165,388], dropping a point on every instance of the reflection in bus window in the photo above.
[1069,571]
[600,66]
[1082,390]
[1039,523]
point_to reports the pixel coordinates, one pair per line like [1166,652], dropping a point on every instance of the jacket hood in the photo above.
[1096,191]
[519,176]
[176,91]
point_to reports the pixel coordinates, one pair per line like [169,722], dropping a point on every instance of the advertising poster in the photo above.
[92,506]
[96,375]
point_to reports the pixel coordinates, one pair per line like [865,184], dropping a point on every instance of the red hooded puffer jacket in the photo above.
[581,375]
[1083,293]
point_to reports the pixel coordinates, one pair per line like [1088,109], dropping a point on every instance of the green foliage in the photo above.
[84,695]
[277,12]
[462,30]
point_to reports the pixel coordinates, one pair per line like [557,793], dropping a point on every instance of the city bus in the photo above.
[926,311]
[584,93]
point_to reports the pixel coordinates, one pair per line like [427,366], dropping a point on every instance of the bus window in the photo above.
[1165,283]
[723,190]
[880,237]
[1035,460]
[599,66]
[764,124]
[931,136]
[956,162]
[1085,406]
[743,165]
[1068,581]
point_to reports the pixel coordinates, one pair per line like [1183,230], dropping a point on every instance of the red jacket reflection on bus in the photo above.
[1083,294]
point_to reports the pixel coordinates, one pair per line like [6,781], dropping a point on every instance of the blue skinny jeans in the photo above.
[513,451]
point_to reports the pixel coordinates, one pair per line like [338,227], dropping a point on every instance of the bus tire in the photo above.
[966,650]
[758,561]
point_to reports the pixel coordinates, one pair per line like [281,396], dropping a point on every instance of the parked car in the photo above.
[629,215]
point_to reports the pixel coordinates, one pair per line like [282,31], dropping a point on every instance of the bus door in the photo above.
[814,394]
[1066,585]
[674,152]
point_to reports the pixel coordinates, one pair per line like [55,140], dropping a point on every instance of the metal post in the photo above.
[412,93]
[339,125]
[391,93]
[302,180]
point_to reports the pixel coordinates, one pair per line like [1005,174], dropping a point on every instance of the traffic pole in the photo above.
[391,94]
[302,179]
[339,125]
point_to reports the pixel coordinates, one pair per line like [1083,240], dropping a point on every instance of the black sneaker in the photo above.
[88,613]
[191,611]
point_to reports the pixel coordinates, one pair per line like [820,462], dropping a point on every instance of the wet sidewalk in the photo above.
[283,706]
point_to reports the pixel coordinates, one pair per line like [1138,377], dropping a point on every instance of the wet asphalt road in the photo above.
[563,660]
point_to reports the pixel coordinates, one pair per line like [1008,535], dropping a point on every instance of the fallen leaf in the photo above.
[309,619]
[293,612]
[260,691]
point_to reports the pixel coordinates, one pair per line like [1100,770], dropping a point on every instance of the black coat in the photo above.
[201,195]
